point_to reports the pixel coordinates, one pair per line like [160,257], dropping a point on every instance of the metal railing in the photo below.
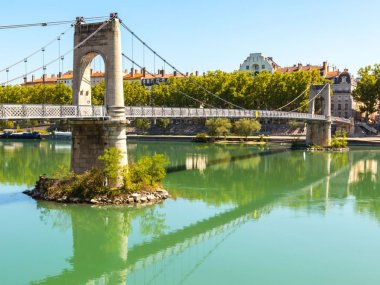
[26,112]
[167,112]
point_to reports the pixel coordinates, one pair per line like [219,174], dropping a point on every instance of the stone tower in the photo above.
[91,137]
[319,133]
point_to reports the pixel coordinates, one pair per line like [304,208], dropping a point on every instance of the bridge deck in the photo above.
[28,112]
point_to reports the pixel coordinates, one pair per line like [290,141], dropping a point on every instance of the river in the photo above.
[240,215]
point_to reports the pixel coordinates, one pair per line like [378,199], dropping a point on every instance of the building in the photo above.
[66,78]
[322,69]
[342,102]
[256,62]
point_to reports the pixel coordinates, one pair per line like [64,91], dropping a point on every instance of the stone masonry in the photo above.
[319,133]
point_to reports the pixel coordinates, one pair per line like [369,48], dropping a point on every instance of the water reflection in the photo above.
[158,245]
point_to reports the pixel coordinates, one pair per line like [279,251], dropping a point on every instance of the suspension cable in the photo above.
[292,100]
[45,24]
[37,51]
[172,87]
[176,69]
[66,53]
[315,96]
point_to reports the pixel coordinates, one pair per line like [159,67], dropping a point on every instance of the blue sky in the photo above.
[209,34]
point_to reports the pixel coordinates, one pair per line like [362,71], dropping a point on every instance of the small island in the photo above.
[112,184]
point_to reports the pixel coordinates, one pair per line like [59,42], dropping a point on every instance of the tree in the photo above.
[368,89]
[111,168]
[142,125]
[339,139]
[135,94]
[245,127]
[293,124]
[146,173]
[163,122]
[218,126]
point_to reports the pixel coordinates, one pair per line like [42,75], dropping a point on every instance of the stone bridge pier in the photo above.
[319,133]
[92,137]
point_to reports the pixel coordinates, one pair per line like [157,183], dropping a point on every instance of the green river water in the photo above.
[240,215]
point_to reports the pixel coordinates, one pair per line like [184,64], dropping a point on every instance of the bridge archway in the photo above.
[106,42]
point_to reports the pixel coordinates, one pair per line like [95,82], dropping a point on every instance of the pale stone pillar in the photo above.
[319,133]
[91,138]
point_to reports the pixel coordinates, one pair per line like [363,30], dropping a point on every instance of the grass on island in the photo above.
[110,180]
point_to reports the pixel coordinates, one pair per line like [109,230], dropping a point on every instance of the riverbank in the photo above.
[352,141]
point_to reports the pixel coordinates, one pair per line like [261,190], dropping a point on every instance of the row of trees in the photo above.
[222,126]
[265,91]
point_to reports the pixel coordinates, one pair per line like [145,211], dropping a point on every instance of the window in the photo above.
[339,107]
[87,93]
[346,115]
[81,92]
[344,80]
[247,67]
[346,106]
[263,66]
[332,106]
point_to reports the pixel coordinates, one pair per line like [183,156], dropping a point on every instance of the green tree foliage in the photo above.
[265,91]
[134,94]
[339,139]
[111,160]
[97,93]
[36,94]
[368,89]
[163,123]
[245,127]
[293,124]
[6,125]
[142,125]
[146,174]
[218,126]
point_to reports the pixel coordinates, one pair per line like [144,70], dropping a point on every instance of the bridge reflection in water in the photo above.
[103,255]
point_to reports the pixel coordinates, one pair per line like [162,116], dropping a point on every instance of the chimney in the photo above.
[33,77]
[132,72]
[44,78]
[187,74]
[163,72]
[299,65]
[59,74]
[175,73]
[143,72]
[53,75]
[25,79]
[196,73]
[325,67]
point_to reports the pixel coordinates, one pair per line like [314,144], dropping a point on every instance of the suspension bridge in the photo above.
[96,128]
